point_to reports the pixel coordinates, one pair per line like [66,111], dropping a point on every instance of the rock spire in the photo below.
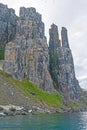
[61,64]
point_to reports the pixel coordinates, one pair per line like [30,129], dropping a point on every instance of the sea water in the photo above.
[68,121]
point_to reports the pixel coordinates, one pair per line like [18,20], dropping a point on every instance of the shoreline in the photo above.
[12,110]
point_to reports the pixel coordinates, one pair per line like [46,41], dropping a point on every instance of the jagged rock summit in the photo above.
[27,55]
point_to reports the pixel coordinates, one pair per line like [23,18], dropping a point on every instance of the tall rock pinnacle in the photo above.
[64,37]
[62,66]
[54,37]
[54,44]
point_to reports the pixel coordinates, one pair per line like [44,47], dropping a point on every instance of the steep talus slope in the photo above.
[10,94]
[24,93]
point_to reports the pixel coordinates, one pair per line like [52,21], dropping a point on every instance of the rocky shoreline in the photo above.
[12,110]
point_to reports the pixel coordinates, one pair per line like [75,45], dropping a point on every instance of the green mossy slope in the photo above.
[36,94]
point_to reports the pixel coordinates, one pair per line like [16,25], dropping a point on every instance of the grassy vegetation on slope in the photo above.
[33,92]
[1,52]
[1,55]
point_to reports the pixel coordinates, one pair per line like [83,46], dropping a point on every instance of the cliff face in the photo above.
[26,56]
[7,27]
[7,24]
[61,64]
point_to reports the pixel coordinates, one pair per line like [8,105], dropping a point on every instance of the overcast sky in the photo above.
[69,13]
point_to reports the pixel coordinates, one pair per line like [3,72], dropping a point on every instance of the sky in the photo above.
[71,14]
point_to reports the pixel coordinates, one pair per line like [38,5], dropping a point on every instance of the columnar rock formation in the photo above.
[61,64]
[26,56]
[7,24]
[7,27]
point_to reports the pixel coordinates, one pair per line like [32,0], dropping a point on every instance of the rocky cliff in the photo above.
[7,27]
[27,55]
[61,64]
[7,24]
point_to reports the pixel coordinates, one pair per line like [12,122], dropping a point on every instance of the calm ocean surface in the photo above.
[73,121]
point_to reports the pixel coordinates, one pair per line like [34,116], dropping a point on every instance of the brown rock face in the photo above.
[27,55]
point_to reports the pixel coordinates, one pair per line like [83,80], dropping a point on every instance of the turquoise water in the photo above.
[73,121]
